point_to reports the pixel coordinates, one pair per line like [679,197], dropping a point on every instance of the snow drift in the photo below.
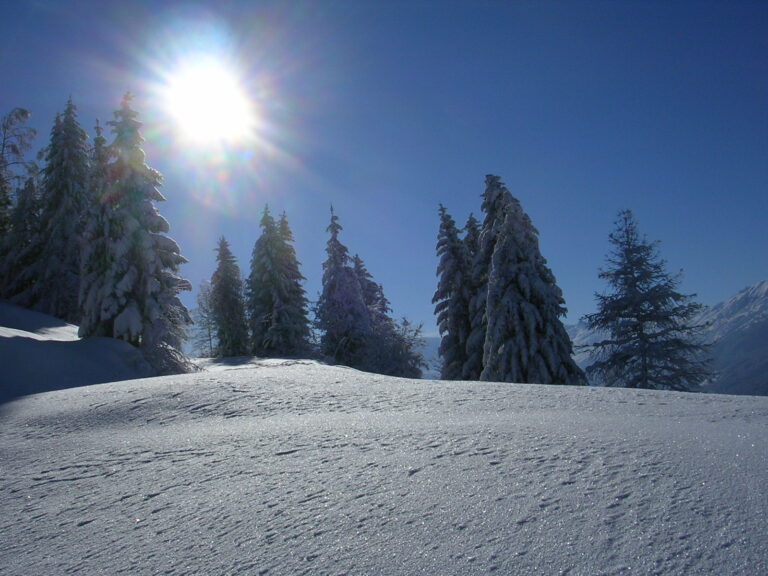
[39,353]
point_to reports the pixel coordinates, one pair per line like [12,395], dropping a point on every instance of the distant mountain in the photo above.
[738,330]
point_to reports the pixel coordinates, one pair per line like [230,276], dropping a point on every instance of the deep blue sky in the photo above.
[386,109]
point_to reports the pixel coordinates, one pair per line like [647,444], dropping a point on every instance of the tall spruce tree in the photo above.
[652,340]
[276,301]
[290,334]
[452,297]
[135,294]
[525,340]
[495,200]
[341,314]
[20,256]
[63,201]
[227,304]
[260,285]
[15,140]
[98,234]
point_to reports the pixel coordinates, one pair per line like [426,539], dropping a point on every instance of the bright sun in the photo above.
[209,104]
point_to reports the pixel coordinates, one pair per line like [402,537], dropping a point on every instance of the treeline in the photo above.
[267,315]
[498,308]
[84,240]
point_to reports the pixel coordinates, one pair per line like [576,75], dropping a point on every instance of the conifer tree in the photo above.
[452,297]
[136,299]
[472,236]
[98,234]
[495,200]
[391,348]
[275,297]
[342,315]
[290,333]
[16,268]
[652,340]
[15,140]
[227,305]
[63,199]
[525,340]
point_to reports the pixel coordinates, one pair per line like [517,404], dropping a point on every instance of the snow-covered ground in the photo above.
[292,467]
[298,468]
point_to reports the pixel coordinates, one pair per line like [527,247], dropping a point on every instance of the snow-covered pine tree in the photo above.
[15,140]
[495,199]
[652,341]
[20,256]
[341,313]
[260,291]
[63,200]
[392,349]
[137,298]
[525,340]
[373,293]
[227,304]
[276,301]
[98,235]
[290,332]
[472,236]
[452,296]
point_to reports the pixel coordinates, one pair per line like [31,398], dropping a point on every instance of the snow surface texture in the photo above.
[40,353]
[290,467]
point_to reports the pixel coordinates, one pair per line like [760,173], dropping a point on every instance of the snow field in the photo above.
[298,468]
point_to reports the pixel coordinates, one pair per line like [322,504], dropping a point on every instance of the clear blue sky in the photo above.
[386,109]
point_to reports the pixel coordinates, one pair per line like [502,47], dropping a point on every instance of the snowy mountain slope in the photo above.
[297,468]
[744,311]
[39,353]
[738,329]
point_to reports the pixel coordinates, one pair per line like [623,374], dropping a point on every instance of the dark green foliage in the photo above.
[452,296]
[651,340]
[227,305]
[275,298]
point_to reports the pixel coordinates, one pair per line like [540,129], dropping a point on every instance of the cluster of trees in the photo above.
[267,315]
[84,240]
[498,308]
[497,303]
[353,316]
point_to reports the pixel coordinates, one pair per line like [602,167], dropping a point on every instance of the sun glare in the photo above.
[209,104]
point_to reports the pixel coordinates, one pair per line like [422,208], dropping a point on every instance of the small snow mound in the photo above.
[40,353]
[40,326]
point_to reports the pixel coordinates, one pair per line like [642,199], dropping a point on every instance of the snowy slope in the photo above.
[296,468]
[40,353]
[738,329]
